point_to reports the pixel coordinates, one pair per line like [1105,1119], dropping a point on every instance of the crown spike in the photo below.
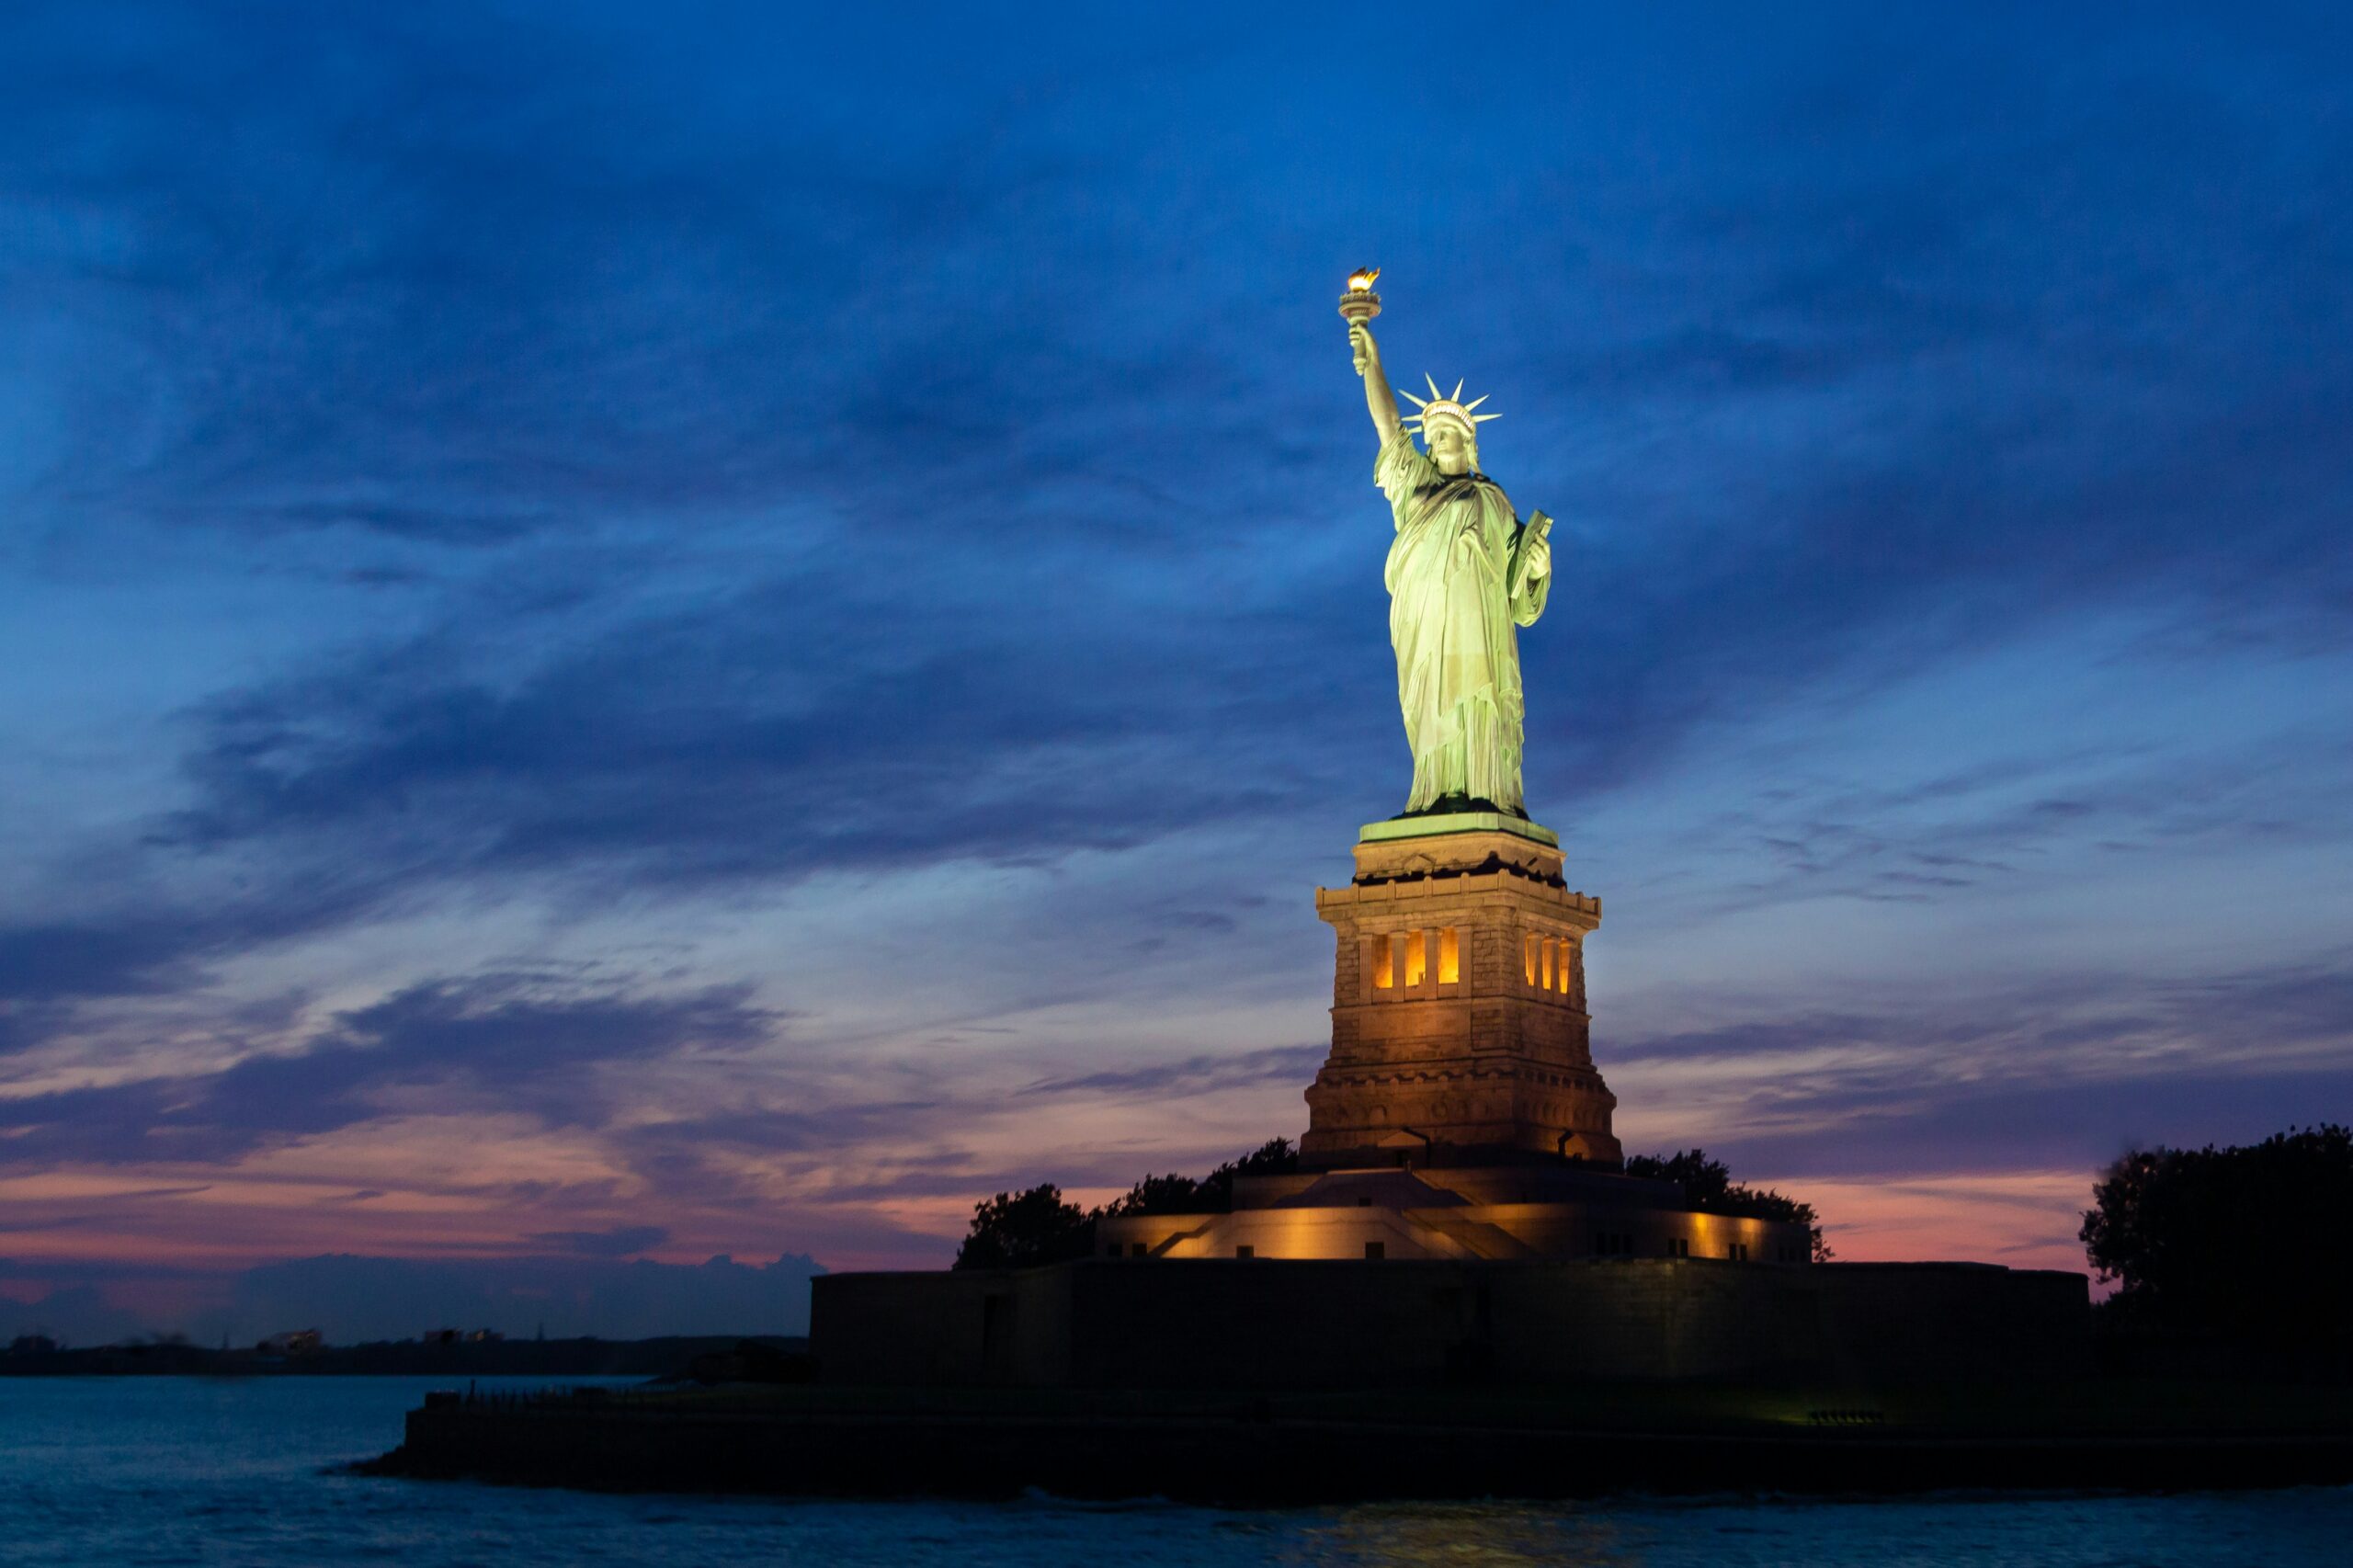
[1417,403]
[1456,395]
[1475,401]
[1436,396]
[1483,418]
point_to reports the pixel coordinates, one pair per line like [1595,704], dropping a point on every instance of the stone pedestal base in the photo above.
[1458,1024]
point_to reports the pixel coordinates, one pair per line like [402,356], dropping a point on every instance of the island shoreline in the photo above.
[1250,1457]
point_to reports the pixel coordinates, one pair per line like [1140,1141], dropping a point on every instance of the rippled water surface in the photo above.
[103,1472]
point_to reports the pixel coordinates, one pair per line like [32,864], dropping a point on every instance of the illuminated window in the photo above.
[1548,964]
[1563,975]
[1417,950]
[1384,966]
[1449,957]
[1528,957]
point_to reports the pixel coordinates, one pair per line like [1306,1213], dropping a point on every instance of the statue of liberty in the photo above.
[1463,576]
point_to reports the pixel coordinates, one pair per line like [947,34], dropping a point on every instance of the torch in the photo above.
[1360,304]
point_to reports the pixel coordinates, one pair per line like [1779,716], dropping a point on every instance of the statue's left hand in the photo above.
[1531,560]
[1539,556]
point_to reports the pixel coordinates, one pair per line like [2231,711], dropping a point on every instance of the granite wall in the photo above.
[1260,1323]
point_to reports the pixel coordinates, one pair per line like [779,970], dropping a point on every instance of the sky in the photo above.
[632,636]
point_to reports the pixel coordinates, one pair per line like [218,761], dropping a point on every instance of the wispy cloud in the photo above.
[619,1241]
[1195,1074]
[2071,1071]
[494,1040]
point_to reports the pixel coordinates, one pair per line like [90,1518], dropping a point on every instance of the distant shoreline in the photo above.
[669,1357]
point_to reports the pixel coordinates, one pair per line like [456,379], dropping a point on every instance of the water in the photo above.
[101,1472]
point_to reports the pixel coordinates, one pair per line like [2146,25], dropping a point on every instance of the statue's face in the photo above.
[1449,448]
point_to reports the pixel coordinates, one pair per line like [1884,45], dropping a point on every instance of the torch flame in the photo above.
[1361,280]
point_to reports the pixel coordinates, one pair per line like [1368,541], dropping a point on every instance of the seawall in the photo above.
[1251,1454]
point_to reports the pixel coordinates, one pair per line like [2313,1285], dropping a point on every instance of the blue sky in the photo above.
[727,631]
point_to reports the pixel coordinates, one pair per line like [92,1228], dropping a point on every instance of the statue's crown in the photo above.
[1446,406]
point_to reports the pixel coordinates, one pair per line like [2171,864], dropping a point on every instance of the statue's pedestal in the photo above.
[1459,1025]
[1458,1115]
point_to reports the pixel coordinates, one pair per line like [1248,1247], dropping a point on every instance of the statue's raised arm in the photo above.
[1378,396]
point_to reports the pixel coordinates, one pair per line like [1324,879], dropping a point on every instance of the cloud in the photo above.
[794,1129]
[770,734]
[2069,1070]
[501,1040]
[1196,1075]
[620,1241]
[137,940]
[44,963]
[74,1314]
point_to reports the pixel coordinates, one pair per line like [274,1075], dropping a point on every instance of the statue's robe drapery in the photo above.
[1451,619]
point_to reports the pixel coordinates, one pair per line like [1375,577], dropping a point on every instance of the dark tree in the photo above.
[1705,1181]
[1708,1188]
[1274,1157]
[1169,1193]
[1213,1194]
[2235,1245]
[1022,1230]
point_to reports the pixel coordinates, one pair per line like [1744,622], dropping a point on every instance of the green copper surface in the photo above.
[1455,822]
[1464,576]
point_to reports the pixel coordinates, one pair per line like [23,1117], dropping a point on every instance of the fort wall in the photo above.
[1346,1324]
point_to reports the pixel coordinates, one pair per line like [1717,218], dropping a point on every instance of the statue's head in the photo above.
[1453,448]
[1450,428]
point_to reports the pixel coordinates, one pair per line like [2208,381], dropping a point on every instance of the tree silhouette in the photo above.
[1022,1230]
[1708,1188]
[2235,1244]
